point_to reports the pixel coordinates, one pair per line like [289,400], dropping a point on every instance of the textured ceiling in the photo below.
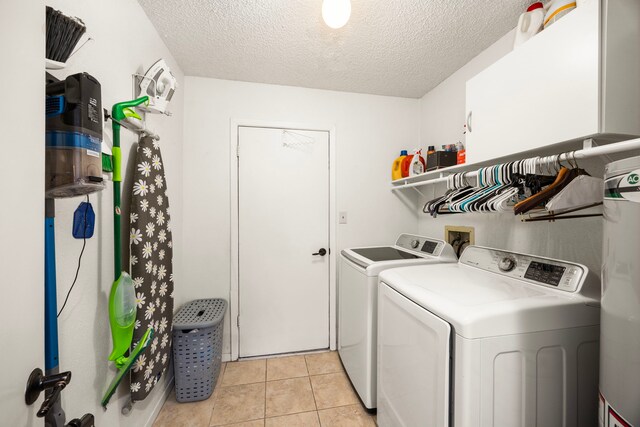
[389,47]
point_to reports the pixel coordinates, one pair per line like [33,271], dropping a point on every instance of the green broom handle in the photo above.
[117,179]
[117,113]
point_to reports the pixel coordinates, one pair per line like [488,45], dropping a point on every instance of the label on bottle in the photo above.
[461,157]
[417,167]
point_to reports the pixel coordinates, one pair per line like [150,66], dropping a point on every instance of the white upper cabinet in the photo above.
[577,79]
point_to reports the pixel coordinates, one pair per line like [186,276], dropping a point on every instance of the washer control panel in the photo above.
[420,244]
[552,273]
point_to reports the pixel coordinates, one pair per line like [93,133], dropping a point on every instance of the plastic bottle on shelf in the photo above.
[556,9]
[396,169]
[530,23]
[417,165]
[462,153]
[405,164]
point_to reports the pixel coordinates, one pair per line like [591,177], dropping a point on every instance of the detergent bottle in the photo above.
[396,169]
[404,166]
[417,165]
[530,23]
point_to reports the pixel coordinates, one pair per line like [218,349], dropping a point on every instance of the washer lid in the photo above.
[480,303]
[409,250]
[384,253]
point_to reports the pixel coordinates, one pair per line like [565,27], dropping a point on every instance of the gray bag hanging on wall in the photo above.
[151,254]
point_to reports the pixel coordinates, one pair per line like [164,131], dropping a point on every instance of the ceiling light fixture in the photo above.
[336,13]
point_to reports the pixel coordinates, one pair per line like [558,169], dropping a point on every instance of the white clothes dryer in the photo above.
[499,339]
[358,301]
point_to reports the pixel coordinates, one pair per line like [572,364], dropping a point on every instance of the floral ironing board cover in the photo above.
[151,254]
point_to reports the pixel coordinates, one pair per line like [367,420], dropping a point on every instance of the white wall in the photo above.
[125,43]
[370,131]
[442,119]
[22,215]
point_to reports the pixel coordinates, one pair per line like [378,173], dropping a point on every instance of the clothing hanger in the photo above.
[487,178]
[487,203]
[583,190]
[457,187]
[564,177]
[504,197]
[563,215]
[497,186]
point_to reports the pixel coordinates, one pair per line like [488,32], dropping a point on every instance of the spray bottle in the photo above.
[418,164]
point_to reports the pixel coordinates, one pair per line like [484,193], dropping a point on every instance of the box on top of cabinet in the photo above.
[577,79]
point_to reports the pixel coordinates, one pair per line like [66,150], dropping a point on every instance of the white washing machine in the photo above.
[499,339]
[358,296]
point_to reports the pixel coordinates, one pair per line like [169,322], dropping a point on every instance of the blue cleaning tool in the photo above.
[84,220]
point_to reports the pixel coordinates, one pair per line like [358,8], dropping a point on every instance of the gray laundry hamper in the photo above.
[197,348]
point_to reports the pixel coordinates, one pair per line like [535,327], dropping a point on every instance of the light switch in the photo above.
[343,217]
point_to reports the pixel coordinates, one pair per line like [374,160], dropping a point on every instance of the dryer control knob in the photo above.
[507,264]
[415,244]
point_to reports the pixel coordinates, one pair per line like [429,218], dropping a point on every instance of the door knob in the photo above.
[321,252]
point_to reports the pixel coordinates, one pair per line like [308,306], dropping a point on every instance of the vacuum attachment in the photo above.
[73,137]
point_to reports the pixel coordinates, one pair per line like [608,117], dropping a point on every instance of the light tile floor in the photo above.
[310,390]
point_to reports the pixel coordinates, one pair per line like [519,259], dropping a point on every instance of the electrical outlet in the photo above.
[342,217]
[459,237]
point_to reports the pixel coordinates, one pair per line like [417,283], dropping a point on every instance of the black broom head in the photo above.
[63,34]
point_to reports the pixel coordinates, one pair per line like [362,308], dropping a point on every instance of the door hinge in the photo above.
[238,150]
[238,321]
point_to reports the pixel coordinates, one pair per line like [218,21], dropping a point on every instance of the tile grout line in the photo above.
[223,368]
[313,394]
[315,403]
[264,411]
[288,415]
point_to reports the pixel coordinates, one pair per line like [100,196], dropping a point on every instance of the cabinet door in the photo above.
[544,92]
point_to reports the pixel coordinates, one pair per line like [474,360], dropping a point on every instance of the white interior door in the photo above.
[283,223]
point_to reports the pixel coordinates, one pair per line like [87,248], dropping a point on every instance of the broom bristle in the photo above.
[63,34]
[107,163]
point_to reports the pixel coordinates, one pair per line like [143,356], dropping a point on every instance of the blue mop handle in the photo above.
[50,298]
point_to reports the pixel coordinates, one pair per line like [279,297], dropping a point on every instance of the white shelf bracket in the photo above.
[418,191]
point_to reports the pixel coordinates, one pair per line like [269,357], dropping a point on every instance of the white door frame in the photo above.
[233,162]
